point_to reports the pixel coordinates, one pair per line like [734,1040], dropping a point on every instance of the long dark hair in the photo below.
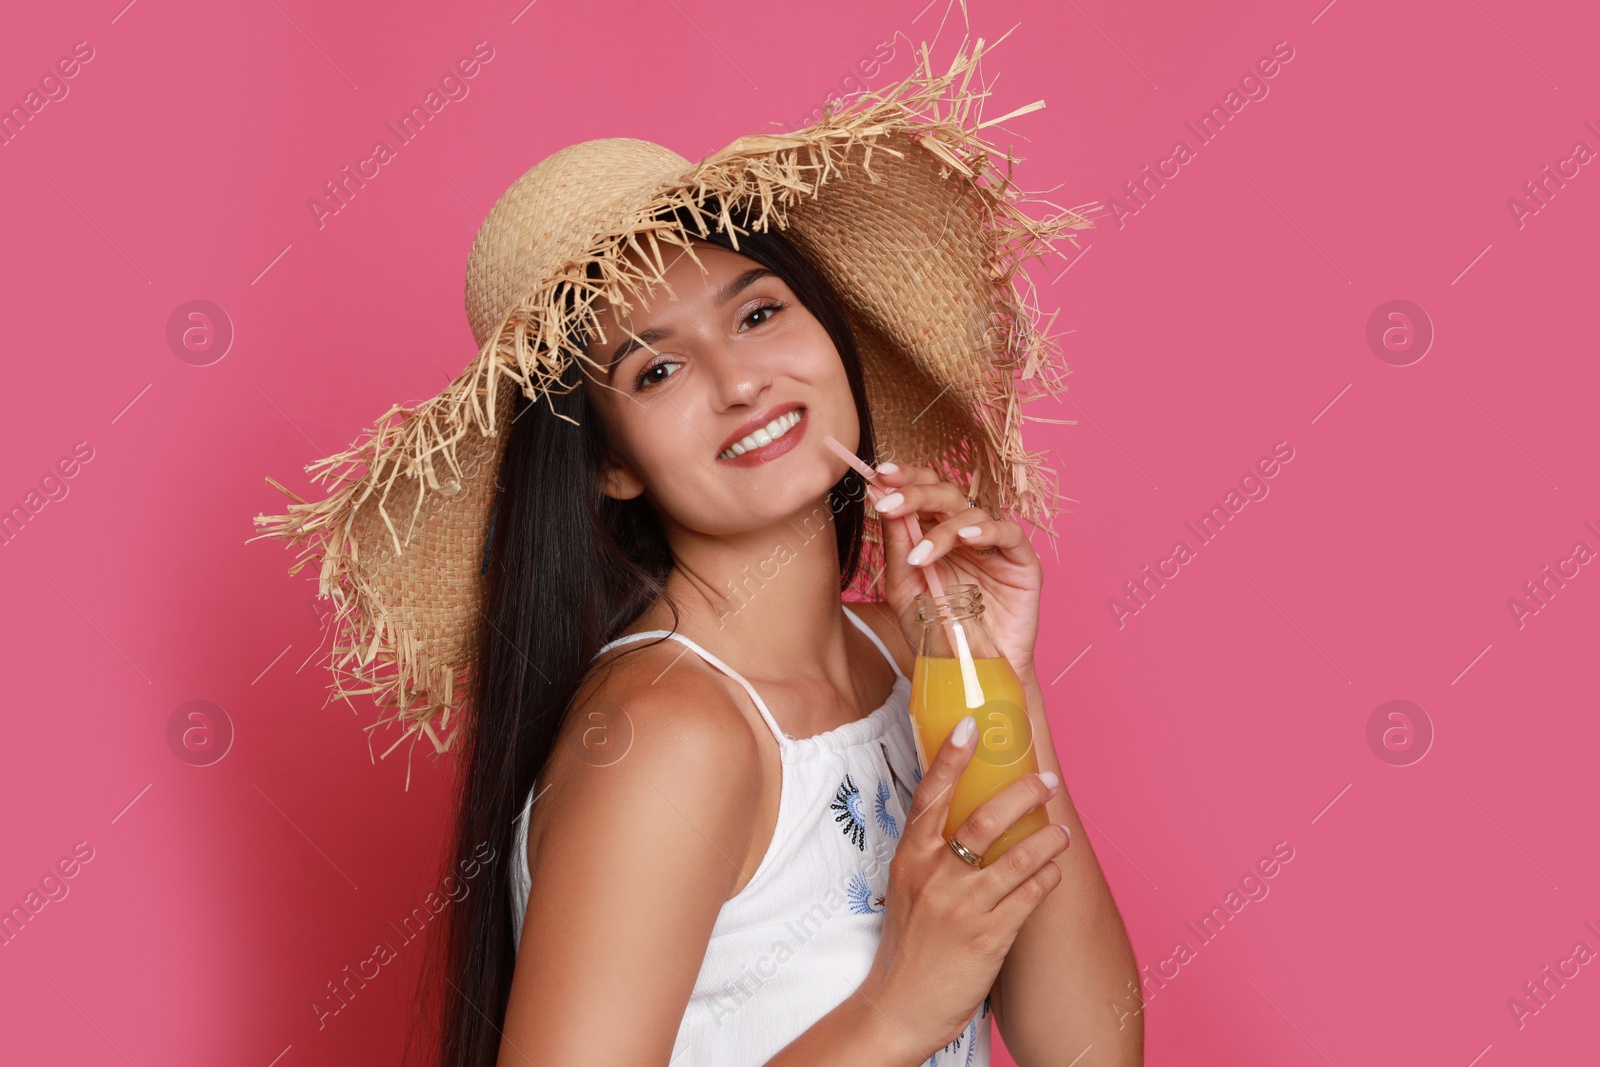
[567,569]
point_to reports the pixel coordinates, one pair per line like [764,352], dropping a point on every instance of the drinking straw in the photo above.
[973,689]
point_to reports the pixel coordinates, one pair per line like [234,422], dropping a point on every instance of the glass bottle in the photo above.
[959,672]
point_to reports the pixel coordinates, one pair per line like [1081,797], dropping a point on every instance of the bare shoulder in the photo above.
[647,803]
[886,624]
[656,722]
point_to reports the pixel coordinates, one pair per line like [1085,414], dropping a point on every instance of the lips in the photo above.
[757,423]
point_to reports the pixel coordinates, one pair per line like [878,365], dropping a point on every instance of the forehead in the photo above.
[689,276]
[710,277]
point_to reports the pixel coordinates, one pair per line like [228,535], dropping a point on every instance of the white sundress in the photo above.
[801,936]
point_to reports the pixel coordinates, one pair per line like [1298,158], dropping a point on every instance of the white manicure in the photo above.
[964,730]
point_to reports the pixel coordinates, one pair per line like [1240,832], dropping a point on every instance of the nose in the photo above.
[737,377]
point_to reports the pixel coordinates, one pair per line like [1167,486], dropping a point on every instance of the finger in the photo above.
[896,529]
[986,822]
[895,534]
[1027,873]
[933,496]
[985,536]
[984,541]
[904,473]
[892,474]
[979,536]
[934,792]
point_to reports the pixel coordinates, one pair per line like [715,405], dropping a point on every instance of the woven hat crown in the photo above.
[550,216]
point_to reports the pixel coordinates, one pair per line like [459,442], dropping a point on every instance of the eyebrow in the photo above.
[661,333]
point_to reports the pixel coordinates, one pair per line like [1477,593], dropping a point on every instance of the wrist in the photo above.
[885,1042]
[1043,736]
[1031,688]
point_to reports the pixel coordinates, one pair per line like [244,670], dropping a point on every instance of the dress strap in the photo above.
[784,740]
[875,640]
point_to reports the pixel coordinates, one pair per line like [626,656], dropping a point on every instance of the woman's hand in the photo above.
[948,925]
[997,558]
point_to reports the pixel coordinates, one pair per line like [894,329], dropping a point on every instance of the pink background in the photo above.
[1227,314]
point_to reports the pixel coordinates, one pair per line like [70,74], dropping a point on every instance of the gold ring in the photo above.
[969,857]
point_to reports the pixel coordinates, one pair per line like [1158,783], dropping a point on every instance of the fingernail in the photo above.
[964,731]
[888,467]
[893,500]
[921,552]
[1067,828]
[970,531]
[1049,779]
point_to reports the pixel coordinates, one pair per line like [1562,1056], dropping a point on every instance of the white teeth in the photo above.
[764,436]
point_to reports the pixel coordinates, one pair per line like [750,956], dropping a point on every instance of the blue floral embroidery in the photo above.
[847,806]
[880,808]
[916,772]
[972,1040]
[862,900]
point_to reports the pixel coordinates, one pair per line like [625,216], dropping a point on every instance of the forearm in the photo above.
[852,1033]
[1069,980]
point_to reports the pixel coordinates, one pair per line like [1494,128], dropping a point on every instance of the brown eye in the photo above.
[764,307]
[645,381]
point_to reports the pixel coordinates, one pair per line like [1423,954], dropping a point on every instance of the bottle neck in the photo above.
[960,604]
[953,626]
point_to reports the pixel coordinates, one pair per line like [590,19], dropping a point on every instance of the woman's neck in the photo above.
[767,600]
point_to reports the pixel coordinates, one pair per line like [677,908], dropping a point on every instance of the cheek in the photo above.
[670,445]
[832,383]
[814,361]
[672,433]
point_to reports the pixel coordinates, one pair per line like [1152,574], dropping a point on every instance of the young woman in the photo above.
[686,837]
[607,568]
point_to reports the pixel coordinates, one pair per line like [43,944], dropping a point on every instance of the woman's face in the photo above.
[733,353]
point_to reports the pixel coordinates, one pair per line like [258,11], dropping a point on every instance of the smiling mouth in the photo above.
[776,429]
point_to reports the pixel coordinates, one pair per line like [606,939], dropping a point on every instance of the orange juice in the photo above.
[1004,750]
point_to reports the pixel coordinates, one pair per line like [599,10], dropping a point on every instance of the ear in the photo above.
[618,480]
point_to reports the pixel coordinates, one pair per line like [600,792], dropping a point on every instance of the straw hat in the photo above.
[895,196]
